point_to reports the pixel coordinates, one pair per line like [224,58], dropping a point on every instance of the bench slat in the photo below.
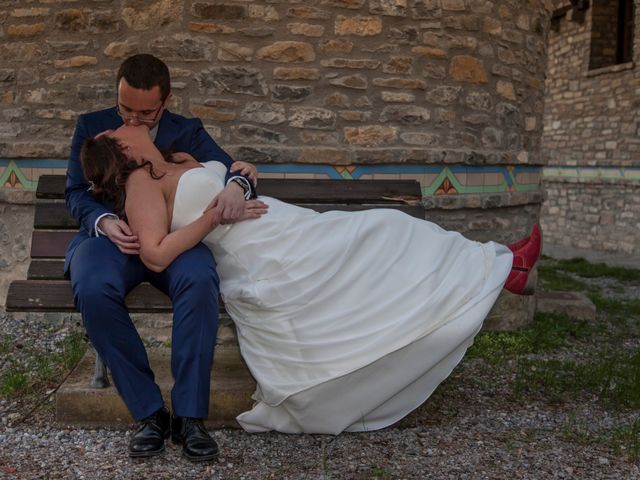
[54,216]
[340,191]
[51,186]
[46,270]
[295,190]
[48,244]
[56,296]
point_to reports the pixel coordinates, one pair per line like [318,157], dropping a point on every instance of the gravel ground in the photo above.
[467,430]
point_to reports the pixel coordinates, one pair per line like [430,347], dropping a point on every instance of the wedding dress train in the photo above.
[347,320]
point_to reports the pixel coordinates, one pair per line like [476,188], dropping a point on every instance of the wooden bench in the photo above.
[46,289]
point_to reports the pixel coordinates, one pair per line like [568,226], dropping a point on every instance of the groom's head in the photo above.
[144,87]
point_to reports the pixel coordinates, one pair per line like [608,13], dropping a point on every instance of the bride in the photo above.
[348,321]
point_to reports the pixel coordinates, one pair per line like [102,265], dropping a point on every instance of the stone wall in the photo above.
[591,140]
[325,81]
[16,225]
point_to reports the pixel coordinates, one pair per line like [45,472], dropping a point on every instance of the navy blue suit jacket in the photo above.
[175,133]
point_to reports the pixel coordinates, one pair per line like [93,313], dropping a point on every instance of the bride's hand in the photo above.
[247,169]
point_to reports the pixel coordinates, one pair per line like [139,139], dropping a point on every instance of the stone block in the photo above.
[413,83]
[430,51]
[266,113]
[218,11]
[405,114]
[359,25]
[183,47]
[305,29]
[290,93]
[356,81]
[210,27]
[231,388]
[398,65]
[443,95]
[370,136]
[26,30]
[314,118]
[465,68]
[308,12]
[339,45]
[243,80]
[573,304]
[287,52]
[296,73]
[234,52]
[393,8]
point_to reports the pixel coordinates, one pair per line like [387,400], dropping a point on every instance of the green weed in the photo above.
[616,307]
[546,333]
[583,268]
[12,382]
[612,378]
[73,349]
[550,279]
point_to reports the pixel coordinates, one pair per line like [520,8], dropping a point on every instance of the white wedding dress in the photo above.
[347,320]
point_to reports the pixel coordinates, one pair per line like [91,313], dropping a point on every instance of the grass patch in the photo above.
[583,268]
[6,344]
[613,378]
[550,279]
[73,349]
[546,333]
[43,369]
[616,307]
[12,382]
[624,439]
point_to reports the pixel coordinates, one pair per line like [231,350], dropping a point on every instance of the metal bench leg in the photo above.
[100,377]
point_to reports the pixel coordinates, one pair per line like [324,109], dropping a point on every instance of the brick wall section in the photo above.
[591,119]
[327,81]
[593,215]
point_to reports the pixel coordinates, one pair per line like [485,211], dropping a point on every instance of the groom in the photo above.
[103,264]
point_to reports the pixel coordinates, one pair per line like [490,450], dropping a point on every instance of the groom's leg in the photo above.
[101,277]
[191,282]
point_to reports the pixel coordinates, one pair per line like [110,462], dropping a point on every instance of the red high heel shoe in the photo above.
[523,241]
[524,259]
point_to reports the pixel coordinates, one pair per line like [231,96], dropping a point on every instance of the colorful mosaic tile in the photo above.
[434,179]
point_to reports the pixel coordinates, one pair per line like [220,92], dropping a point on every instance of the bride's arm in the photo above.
[147,214]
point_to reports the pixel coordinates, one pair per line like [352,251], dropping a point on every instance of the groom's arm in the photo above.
[82,205]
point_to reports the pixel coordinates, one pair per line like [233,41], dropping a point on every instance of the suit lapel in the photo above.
[166,132]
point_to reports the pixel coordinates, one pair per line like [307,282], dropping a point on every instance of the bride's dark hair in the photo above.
[107,169]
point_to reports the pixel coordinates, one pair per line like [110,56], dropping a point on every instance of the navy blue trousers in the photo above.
[102,276]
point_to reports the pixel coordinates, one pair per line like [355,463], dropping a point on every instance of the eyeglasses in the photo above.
[144,117]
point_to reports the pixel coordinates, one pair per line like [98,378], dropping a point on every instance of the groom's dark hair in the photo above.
[144,71]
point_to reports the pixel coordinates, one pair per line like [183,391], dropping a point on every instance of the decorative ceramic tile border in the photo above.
[25,173]
[609,173]
[434,179]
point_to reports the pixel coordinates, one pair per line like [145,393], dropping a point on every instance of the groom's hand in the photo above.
[120,234]
[230,203]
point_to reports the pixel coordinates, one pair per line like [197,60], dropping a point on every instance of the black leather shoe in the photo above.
[148,439]
[197,444]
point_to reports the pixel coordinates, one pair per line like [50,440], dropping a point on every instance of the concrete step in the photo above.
[80,405]
[573,304]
